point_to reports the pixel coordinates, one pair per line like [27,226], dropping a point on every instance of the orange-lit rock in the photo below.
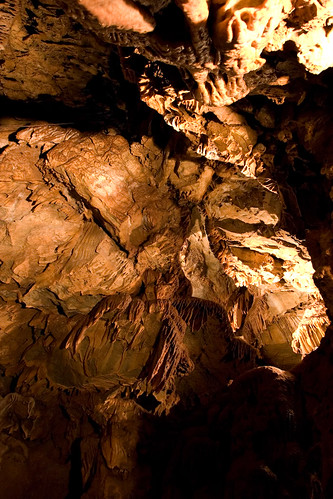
[165,250]
[121,14]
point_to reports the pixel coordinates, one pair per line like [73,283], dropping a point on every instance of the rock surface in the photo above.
[165,252]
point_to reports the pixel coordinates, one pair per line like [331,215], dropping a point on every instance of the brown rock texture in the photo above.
[165,251]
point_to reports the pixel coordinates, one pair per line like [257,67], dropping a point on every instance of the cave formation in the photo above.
[166,276]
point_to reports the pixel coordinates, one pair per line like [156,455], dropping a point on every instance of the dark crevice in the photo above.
[75,485]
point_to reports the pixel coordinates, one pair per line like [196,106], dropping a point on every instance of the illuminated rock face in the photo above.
[165,218]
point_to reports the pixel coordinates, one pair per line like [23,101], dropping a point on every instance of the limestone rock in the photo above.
[165,251]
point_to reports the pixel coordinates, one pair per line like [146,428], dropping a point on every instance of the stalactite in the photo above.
[310,331]
[255,322]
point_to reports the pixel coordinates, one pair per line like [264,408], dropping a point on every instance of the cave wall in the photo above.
[165,252]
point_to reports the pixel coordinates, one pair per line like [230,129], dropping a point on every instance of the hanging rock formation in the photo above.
[165,253]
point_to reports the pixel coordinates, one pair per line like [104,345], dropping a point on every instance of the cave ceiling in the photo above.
[165,249]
